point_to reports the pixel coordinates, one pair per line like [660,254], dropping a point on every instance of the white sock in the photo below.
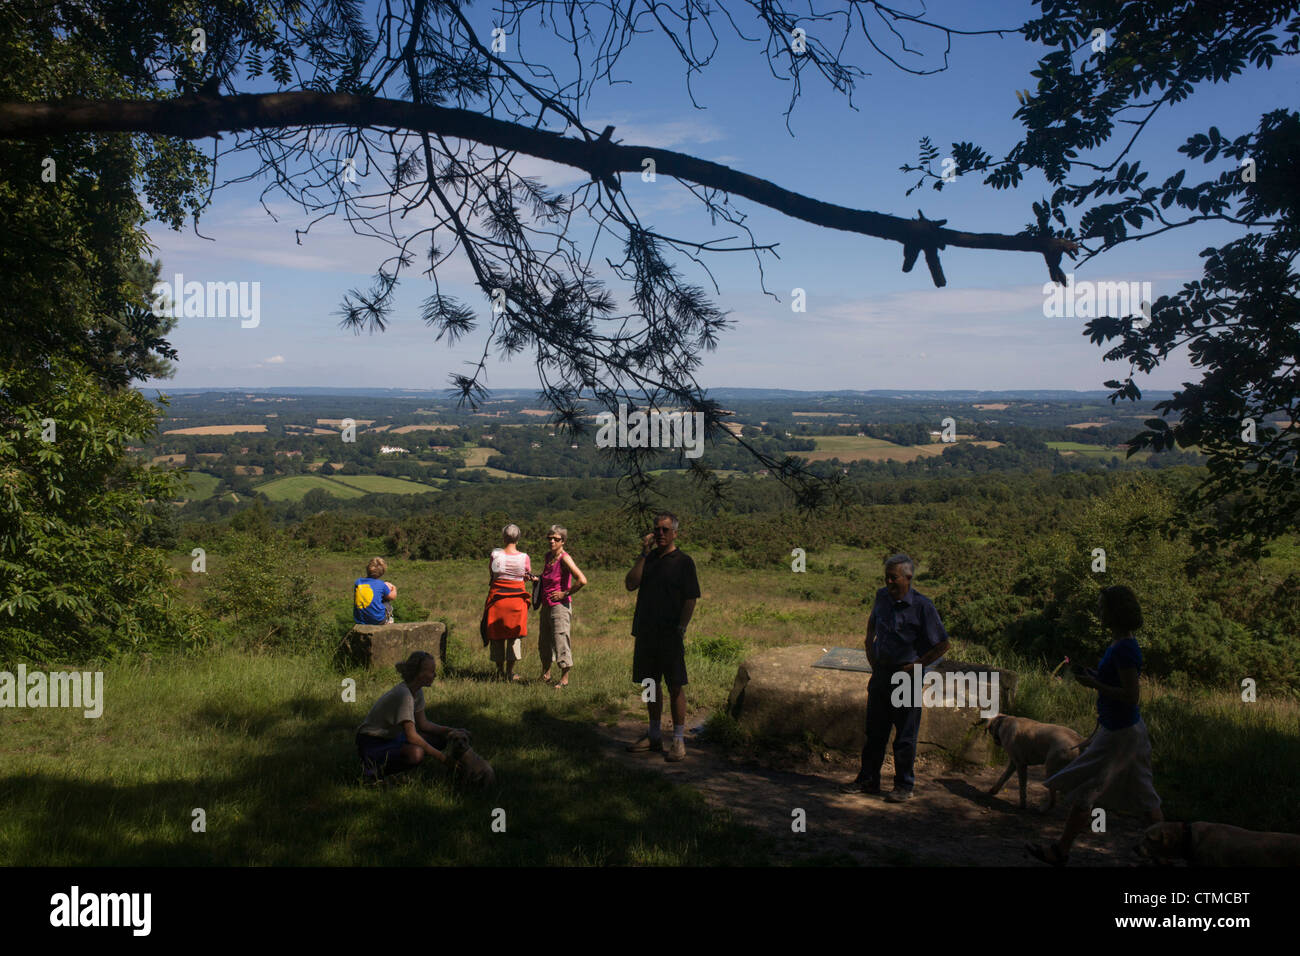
[679,731]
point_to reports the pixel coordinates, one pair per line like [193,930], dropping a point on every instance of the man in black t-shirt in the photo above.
[667,588]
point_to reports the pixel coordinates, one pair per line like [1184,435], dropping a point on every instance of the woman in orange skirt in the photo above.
[506,610]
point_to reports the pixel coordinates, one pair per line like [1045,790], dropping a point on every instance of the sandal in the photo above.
[1048,853]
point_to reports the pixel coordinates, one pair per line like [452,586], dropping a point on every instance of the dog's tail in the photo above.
[1083,744]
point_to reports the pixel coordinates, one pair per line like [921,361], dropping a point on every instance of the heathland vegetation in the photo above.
[1006,524]
[263,731]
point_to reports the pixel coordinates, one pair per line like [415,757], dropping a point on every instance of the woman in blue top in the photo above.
[1114,772]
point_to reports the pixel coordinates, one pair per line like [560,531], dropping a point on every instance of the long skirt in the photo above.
[1113,773]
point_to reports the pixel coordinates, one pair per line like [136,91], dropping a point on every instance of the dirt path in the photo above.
[950,822]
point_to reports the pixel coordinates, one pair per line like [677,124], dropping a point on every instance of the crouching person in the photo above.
[396,735]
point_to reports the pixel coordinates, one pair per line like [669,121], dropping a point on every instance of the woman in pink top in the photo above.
[560,579]
[506,609]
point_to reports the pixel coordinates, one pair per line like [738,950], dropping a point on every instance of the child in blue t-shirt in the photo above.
[372,598]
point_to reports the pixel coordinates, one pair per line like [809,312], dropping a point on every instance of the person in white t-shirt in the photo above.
[505,613]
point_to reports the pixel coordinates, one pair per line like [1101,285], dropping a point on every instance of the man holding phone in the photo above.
[667,588]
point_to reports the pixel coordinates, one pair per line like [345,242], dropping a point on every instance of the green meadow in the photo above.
[261,738]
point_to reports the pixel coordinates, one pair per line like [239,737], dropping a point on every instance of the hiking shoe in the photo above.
[646,745]
[898,796]
[677,751]
[859,786]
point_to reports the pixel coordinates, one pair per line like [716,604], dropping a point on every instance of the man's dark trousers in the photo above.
[881,716]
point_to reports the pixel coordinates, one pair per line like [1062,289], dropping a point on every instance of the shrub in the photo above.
[263,595]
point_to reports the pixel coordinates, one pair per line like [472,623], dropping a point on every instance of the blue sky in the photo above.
[867,325]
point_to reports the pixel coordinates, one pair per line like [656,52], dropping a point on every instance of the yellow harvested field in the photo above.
[478,457]
[1086,425]
[209,454]
[733,427]
[993,406]
[215,430]
[857,448]
[248,469]
[168,459]
[423,428]
[338,422]
[316,465]
[542,412]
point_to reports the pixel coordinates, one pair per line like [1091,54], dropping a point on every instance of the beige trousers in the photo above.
[553,644]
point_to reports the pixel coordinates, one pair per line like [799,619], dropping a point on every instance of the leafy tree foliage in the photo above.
[75,580]
[1111,68]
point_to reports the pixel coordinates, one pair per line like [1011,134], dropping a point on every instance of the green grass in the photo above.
[380,484]
[1079,447]
[199,485]
[1214,756]
[264,746]
[263,743]
[293,487]
[864,448]
[1096,451]
[500,473]
[477,456]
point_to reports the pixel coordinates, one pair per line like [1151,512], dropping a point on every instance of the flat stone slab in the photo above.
[845,659]
[383,645]
[783,692]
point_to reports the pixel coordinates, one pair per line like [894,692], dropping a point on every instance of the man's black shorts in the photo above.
[662,656]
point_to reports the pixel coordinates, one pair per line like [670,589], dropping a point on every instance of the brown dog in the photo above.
[465,764]
[1029,744]
[1218,844]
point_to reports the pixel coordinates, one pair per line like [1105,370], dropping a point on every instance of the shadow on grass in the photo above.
[299,800]
[1215,768]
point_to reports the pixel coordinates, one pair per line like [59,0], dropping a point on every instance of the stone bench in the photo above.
[383,645]
[777,692]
